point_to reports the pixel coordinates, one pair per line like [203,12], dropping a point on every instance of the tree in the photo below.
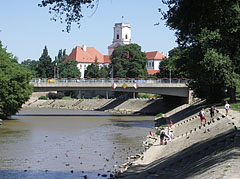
[58,63]
[175,64]
[14,84]
[70,70]
[128,61]
[31,66]
[72,10]
[209,30]
[104,72]
[93,70]
[45,67]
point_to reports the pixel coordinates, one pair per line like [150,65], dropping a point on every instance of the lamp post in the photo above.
[170,75]
[54,72]
[112,73]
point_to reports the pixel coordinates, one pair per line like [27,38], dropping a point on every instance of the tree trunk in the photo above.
[232,94]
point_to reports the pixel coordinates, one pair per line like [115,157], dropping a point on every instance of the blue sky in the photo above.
[26,28]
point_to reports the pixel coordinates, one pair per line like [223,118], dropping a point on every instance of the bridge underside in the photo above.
[176,90]
[180,92]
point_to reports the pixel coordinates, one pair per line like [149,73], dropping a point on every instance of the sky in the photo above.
[25,28]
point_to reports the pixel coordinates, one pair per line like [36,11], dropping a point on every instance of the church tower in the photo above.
[121,36]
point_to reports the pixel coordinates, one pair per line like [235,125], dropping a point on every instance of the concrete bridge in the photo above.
[167,87]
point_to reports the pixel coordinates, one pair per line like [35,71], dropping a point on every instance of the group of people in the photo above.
[213,112]
[166,137]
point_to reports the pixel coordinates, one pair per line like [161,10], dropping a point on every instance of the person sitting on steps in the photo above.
[162,136]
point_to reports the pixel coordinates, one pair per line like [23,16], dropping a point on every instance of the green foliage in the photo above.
[128,61]
[45,67]
[209,31]
[42,98]
[72,10]
[14,84]
[175,64]
[31,66]
[145,95]
[104,72]
[93,70]
[67,98]
[157,96]
[70,69]
[59,62]
[159,115]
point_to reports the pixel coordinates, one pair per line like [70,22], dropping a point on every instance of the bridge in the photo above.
[168,87]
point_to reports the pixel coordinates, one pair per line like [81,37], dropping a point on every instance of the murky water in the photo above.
[57,143]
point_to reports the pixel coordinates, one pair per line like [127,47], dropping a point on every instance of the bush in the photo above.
[157,96]
[42,98]
[159,115]
[143,95]
[55,95]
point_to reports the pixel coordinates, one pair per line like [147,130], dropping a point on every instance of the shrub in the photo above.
[143,95]
[159,115]
[42,98]
[55,95]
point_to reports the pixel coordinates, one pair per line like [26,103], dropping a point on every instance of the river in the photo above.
[61,143]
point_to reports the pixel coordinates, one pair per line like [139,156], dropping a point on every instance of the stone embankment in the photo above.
[210,151]
[118,106]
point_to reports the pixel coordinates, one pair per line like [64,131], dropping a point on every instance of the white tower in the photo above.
[121,36]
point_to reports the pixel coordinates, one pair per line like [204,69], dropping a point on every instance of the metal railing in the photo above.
[110,80]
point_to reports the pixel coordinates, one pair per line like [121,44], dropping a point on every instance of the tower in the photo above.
[121,36]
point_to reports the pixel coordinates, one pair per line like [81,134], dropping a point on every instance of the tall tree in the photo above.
[31,65]
[174,64]
[128,61]
[45,67]
[70,69]
[210,30]
[14,84]
[93,70]
[58,62]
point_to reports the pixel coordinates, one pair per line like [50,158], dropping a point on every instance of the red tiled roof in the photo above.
[107,59]
[87,56]
[152,72]
[155,55]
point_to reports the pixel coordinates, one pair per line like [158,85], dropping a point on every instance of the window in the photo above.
[152,64]
[126,36]
[117,36]
[80,66]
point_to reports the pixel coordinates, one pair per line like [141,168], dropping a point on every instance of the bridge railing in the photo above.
[111,80]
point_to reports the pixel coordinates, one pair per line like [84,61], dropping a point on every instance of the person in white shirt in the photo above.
[202,116]
[170,134]
[227,107]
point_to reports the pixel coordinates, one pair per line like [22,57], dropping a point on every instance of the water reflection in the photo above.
[64,146]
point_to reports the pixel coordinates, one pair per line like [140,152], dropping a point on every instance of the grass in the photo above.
[145,95]
[234,106]
[42,98]
[67,98]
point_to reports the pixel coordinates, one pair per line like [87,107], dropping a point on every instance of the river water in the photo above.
[61,143]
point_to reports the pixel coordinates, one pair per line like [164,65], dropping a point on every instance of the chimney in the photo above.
[84,47]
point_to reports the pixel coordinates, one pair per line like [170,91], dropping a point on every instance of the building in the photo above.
[86,56]
[122,36]
[154,59]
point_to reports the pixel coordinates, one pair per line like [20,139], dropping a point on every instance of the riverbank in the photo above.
[150,106]
[195,152]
